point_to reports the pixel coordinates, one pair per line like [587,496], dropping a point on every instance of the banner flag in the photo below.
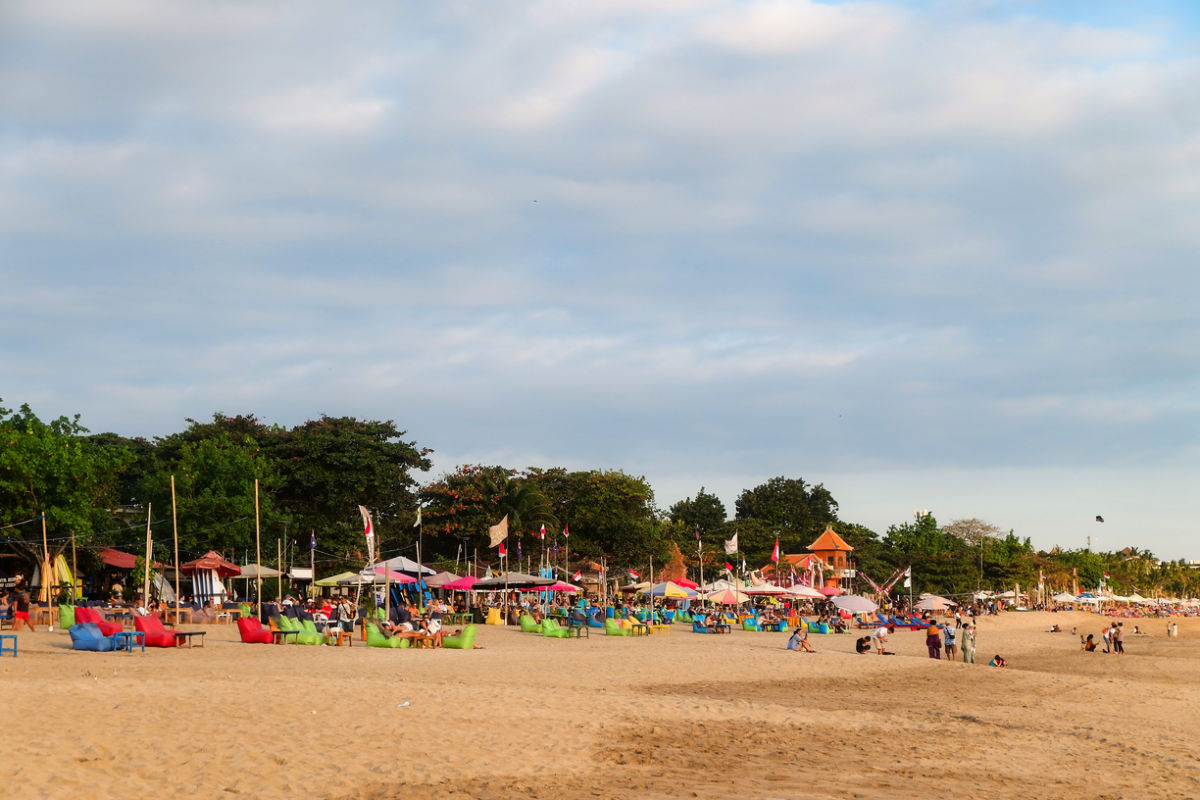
[498,532]
[731,545]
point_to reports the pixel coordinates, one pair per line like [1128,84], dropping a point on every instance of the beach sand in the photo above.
[679,715]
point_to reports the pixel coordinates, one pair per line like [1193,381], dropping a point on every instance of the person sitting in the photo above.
[838,625]
[1055,629]
[997,661]
[1088,644]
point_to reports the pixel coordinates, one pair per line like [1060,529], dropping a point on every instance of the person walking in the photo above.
[20,607]
[968,643]
[1119,638]
[933,640]
[951,645]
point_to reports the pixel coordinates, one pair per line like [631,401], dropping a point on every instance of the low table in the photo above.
[640,629]
[189,635]
[335,637]
[280,637]
[11,647]
[127,640]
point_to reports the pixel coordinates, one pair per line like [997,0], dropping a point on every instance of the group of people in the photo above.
[1113,637]
[938,639]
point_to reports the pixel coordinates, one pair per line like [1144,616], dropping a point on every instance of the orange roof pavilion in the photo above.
[832,549]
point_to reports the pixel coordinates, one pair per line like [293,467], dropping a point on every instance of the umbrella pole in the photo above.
[175,533]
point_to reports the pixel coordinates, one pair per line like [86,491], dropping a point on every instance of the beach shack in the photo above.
[207,573]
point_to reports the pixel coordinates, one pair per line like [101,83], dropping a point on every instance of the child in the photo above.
[997,661]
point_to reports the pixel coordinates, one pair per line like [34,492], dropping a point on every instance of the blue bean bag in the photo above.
[87,636]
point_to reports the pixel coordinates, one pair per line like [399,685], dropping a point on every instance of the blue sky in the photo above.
[934,255]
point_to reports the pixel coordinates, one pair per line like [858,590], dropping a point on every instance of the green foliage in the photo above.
[705,513]
[797,511]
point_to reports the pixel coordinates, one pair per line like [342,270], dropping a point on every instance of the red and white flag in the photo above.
[775,552]
[578,574]
[503,551]
[566,533]
[633,574]
[369,532]
[542,535]
[729,567]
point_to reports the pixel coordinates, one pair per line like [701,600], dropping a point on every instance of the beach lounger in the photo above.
[464,641]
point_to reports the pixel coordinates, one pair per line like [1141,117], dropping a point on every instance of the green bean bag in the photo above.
[529,624]
[375,638]
[611,628]
[286,623]
[464,641]
[551,629]
[66,617]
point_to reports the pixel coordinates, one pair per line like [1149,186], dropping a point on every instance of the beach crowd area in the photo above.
[667,715]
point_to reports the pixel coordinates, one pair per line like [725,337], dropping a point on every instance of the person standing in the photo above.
[933,640]
[20,607]
[968,644]
[880,636]
[951,646]
[1119,638]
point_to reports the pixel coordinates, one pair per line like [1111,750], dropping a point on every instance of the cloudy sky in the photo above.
[934,255]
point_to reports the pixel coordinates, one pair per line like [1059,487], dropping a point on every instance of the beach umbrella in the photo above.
[727,597]
[800,590]
[1063,597]
[855,604]
[251,571]
[440,580]
[335,580]
[669,589]
[635,587]
[685,583]
[512,580]
[465,584]
[765,589]
[557,586]
[717,585]
[212,561]
[406,565]
[394,577]
[933,603]
[831,591]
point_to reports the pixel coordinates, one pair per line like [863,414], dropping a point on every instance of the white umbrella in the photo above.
[855,604]
[934,603]
[765,589]
[800,590]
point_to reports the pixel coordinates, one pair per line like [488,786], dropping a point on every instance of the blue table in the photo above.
[12,648]
[127,640]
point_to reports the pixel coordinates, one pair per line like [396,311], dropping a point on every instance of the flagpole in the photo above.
[146,570]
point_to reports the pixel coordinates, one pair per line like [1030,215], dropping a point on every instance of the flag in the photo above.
[417,524]
[519,556]
[729,567]
[633,574]
[503,551]
[908,578]
[566,533]
[1106,576]
[369,532]
[498,532]
[578,574]
[731,546]
[542,535]
[312,544]
[743,566]
[775,552]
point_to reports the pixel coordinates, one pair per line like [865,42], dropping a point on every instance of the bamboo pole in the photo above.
[279,566]
[146,566]
[257,553]
[44,589]
[175,533]
[74,571]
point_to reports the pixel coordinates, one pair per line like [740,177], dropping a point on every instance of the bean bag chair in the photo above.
[156,635]
[611,628]
[375,638]
[66,616]
[699,627]
[288,623]
[529,624]
[464,641]
[595,620]
[749,624]
[92,616]
[551,629]
[87,636]
[252,631]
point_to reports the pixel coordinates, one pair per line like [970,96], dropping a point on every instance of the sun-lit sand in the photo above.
[681,715]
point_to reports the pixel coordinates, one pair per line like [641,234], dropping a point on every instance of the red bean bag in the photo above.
[84,614]
[252,631]
[156,634]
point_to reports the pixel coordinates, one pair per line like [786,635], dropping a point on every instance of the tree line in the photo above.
[99,489]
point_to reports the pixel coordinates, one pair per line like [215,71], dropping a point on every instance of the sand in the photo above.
[680,715]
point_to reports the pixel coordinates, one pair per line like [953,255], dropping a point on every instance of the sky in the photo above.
[934,255]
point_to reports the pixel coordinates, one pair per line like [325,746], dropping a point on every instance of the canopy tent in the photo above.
[394,577]
[206,573]
[855,604]
[1063,597]
[718,585]
[335,580]
[251,571]
[405,565]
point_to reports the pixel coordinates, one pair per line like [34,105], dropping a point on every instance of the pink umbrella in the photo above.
[685,583]
[395,577]
[461,585]
[830,591]
[558,586]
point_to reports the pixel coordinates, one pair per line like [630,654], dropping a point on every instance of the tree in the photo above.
[972,531]
[52,468]
[705,512]
[799,512]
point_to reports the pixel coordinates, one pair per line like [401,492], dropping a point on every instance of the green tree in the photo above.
[798,512]
[705,513]
[52,468]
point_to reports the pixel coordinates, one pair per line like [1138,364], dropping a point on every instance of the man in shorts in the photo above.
[950,643]
[880,637]
[20,607]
